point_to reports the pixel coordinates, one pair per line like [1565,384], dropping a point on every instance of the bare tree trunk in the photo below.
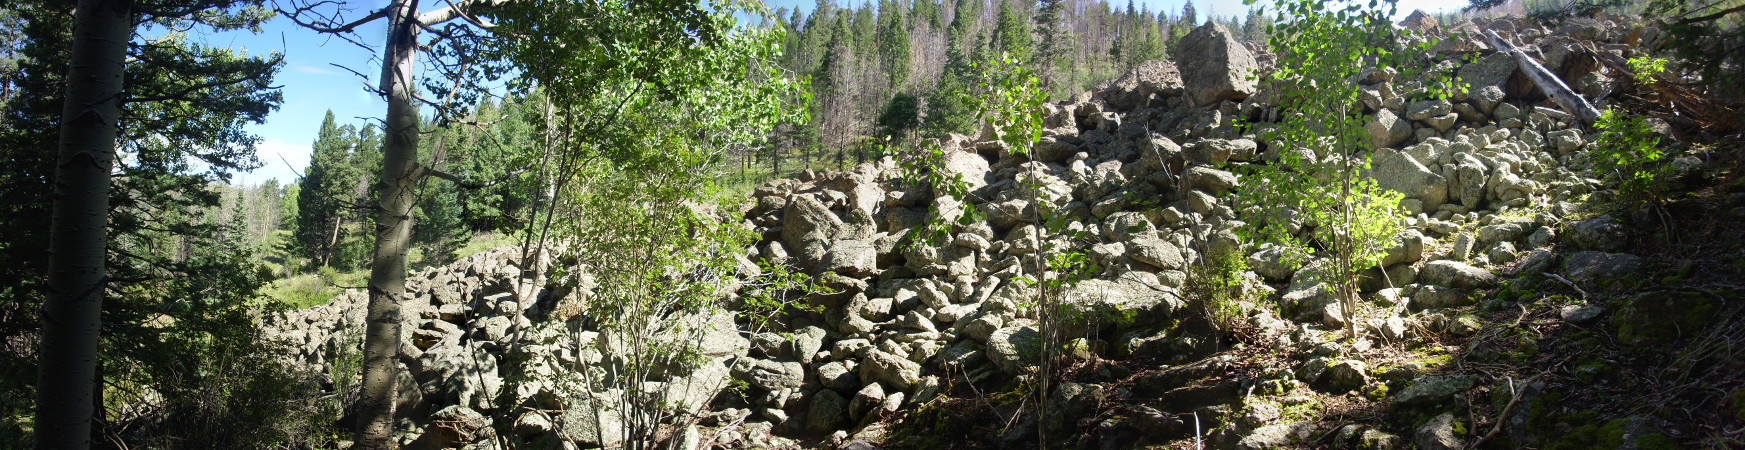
[67,372]
[399,174]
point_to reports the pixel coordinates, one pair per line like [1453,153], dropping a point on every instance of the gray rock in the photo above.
[1344,376]
[1216,152]
[1156,253]
[1399,172]
[1277,436]
[852,257]
[1443,122]
[1589,266]
[828,411]
[1434,388]
[1456,275]
[457,426]
[1142,300]
[1212,181]
[1387,130]
[807,228]
[1601,233]
[1542,236]
[864,401]
[1490,71]
[1502,253]
[1566,140]
[1269,262]
[1463,246]
[1053,149]
[1135,89]
[899,373]
[1430,296]
[1409,249]
[770,375]
[1215,66]
[1011,348]
[1155,423]
[1438,434]
[1502,232]
[1580,313]
[838,376]
[1425,109]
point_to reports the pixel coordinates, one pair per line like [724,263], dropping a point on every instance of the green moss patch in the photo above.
[1659,317]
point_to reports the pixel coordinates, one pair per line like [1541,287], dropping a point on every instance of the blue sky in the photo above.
[312,83]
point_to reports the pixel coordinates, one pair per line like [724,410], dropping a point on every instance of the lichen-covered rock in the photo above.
[1137,88]
[1386,129]
[1399,172]
[1592,266]
[1439,434]
[1659,317]
[1434,388]
[1215,67]
[1601,233]
[1456,275]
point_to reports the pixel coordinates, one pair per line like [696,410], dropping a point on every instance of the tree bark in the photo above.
[1553,86]
[72,316]
[375,425]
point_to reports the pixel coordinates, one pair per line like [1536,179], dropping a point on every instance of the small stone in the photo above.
[1434,388]
[1438,434]
[1580,313]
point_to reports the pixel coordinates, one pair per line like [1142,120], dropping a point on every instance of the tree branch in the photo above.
[1711,17]
[453,10]
[324,25]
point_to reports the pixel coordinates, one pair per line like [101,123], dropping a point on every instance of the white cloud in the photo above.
[313,70]
[280,159]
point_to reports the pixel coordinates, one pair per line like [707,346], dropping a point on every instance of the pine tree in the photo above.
[894,46]
[1011,36]
[325,194]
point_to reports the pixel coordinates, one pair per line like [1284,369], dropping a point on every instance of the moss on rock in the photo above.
[1659,317]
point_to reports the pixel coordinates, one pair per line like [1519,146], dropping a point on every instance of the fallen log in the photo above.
[1554,87]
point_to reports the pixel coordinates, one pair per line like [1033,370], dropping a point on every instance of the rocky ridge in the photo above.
[1148,167]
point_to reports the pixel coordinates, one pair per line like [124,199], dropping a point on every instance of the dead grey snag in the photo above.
[65,402]
[1553,86]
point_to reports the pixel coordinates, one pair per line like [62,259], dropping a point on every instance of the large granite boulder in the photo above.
[1215,66]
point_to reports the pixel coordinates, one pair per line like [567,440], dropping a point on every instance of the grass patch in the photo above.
[312,289]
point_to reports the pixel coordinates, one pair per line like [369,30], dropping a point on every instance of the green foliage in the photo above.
[1631,152]
[1707,37]
[901,115]
[1648,69]
[1216,284]
[663,100]
[1328,209]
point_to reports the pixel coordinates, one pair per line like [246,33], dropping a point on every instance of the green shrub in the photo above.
[1630,152]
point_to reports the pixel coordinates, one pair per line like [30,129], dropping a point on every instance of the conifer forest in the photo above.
[891,224]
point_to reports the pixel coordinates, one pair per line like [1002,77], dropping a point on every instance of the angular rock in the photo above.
[1399,172]
[1601,233]
[1456,275]
[1386,129]
[1012,348]
[1212,181]
[900,374]
[1156,253]
[828,411]
[1590,266]
[1434,388]
[1438,434]
[1215,66]
[1135,89]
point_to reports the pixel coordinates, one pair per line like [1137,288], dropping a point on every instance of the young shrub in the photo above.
[1329,210]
